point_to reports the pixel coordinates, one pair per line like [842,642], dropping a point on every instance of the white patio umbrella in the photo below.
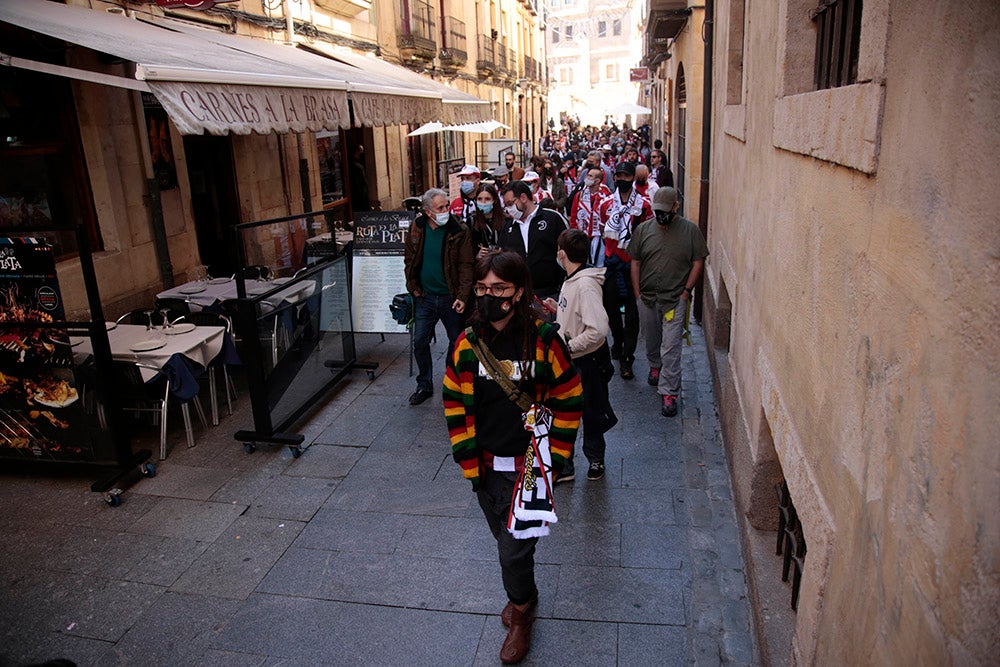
[427,128]
[630,108]
[485,127]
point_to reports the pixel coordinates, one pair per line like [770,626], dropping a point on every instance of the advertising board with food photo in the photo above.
[39,396]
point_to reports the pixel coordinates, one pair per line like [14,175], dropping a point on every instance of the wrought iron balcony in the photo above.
[453,51]
[532,69]
[502,67]
[416,30]
[487,61]
[665,21]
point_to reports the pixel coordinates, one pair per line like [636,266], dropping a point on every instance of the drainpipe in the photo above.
[152,198]
[706,145]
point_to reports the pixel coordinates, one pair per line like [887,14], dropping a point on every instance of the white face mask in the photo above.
[512,211]
[442,218]
[589,182]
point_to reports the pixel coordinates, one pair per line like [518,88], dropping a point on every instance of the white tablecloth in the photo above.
[214,293]
[201,345]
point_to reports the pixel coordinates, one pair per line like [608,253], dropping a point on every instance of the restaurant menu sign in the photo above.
[39,399]
[379,240]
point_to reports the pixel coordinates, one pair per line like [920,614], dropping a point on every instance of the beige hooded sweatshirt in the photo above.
[583,322]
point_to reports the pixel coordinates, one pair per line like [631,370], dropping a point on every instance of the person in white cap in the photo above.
[463,206]
[537,193]
[668,257]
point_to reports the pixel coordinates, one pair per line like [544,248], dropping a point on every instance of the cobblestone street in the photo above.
[370,548]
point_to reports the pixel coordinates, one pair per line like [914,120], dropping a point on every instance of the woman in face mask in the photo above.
[486,427]
[555,185]
[488,220]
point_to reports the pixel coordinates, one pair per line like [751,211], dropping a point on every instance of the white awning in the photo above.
[378,100]
[478,128]
[459,107]
[216,82]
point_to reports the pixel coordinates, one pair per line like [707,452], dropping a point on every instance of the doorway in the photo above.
[214,200]
[681,181]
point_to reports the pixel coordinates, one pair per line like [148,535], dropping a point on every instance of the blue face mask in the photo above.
[485,208]
[467,187]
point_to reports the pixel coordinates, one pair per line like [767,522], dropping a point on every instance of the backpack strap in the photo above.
[487,359]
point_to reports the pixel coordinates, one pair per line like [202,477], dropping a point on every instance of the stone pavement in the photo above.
[371,550]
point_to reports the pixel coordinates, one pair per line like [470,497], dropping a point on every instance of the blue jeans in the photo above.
[429,309]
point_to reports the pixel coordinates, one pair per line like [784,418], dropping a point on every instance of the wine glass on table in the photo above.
[149,319]
[166,318]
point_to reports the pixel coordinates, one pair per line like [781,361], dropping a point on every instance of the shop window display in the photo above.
[43,178]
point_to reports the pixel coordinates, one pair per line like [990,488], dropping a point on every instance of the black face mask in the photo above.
[494,308]
[623,186]
[665,217]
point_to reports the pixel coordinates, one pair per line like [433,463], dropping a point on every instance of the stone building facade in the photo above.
[674,52]
[852,295]
[591,46]
[107,136]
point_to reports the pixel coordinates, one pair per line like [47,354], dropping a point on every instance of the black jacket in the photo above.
[545,226]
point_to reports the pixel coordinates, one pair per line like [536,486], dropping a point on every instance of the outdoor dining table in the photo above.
[202,295]
[179,352]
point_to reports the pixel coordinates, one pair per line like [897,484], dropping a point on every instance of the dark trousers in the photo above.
[595,371]
[517,557]
[618,293]
[429,309]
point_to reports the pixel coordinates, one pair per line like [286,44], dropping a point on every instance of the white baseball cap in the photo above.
[469,169]
[530,176]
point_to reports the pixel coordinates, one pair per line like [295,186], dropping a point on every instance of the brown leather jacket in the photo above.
[457,257]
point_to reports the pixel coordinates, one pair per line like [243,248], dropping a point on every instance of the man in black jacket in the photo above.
[533,233]
[438,262]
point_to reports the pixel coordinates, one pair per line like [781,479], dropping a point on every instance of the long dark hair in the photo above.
[495,222]
[512,268]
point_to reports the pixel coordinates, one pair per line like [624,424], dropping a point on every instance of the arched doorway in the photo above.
[680,182]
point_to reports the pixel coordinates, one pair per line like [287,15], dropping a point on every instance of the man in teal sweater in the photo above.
[438,265]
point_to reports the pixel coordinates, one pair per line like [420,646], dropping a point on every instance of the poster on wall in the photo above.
[160,149]
[41,415]
[379,239]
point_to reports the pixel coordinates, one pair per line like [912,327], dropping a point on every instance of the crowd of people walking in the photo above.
[531,269]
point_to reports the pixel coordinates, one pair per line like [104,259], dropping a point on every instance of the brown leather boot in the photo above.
[505,614]
[518,641]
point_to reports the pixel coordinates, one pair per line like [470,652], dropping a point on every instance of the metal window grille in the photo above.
[838,32]
[791,544]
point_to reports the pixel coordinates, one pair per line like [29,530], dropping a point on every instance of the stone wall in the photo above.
[855,233]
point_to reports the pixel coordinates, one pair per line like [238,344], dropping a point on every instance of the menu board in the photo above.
[39,397]
[378,275]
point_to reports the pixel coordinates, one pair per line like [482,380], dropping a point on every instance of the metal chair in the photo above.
[176,307]
[207,318]
[139,316]
[136,395]
[255,271]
